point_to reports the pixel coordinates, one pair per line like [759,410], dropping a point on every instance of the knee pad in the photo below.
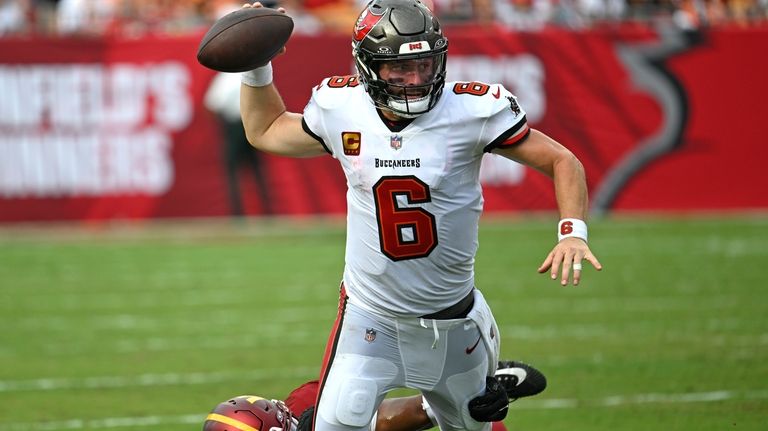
[356,402]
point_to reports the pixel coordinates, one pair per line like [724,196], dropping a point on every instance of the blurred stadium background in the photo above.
[152,266]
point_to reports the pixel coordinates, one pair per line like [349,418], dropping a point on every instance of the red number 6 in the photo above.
[404,233]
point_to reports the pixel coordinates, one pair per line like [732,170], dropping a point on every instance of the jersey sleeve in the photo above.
[312,119]
[506,124]
[325,110]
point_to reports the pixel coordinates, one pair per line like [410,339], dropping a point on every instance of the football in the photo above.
[244,39]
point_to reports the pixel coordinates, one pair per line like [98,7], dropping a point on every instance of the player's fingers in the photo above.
[568,260]
[281,52]
[556,262]
[593,260]
[547,263]
[576,270]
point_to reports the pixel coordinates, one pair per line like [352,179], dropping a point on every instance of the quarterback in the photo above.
[410,145]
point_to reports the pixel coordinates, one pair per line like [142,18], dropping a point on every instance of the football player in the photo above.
[410,145]
[513,380]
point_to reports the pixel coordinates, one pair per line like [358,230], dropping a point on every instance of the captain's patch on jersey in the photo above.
[351,142]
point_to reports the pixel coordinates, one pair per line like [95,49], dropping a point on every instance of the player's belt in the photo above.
[458,310]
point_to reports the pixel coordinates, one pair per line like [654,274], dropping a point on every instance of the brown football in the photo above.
[244,39]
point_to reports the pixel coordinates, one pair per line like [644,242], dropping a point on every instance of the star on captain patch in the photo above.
[396,142]
[370,335]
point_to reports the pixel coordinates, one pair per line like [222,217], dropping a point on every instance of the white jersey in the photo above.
[414,198]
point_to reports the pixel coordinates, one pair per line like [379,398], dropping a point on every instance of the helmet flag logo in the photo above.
[364,24]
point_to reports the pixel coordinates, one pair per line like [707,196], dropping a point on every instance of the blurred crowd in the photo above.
[137,18]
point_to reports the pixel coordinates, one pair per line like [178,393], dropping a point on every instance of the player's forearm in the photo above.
[570,187]
[557,162]
[260,107]
[402,414]
[270,128]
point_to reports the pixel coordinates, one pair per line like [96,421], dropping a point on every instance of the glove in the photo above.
[493,405]
[305,420]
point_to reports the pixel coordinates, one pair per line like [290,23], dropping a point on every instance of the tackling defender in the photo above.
[513,380]
[410,146]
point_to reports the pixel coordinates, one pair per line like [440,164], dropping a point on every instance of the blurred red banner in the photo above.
[116,129]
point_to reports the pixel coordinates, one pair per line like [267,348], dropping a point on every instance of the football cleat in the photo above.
[520,379]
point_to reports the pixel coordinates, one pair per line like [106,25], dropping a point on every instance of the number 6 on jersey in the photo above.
[404,233]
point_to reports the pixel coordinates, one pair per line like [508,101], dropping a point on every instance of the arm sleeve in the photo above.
[302,397]
[506,125]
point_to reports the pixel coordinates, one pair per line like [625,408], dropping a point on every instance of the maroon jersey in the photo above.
[302,397]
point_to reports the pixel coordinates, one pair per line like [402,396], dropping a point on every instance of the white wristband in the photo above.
[569,227]
[428,411]
[259,77]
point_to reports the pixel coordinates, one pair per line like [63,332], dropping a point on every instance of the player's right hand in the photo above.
[258,5]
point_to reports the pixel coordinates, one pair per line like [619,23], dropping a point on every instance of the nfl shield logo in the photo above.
[396,142]
[370,335]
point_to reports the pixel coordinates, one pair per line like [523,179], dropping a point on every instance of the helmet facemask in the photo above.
[408,86]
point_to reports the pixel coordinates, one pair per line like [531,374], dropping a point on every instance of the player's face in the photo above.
[404,74]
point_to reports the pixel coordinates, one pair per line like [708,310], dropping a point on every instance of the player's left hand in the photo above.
[493,405]
[566,256]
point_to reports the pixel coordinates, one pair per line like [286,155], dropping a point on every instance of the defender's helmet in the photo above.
[403,33]
[248,412]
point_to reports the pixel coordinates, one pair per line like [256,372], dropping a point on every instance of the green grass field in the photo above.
[147,327]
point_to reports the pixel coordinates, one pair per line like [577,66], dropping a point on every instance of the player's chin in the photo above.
[409,93]
[416,94]
[410,98]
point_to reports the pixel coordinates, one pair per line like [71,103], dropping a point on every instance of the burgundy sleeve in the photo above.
[302,397]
